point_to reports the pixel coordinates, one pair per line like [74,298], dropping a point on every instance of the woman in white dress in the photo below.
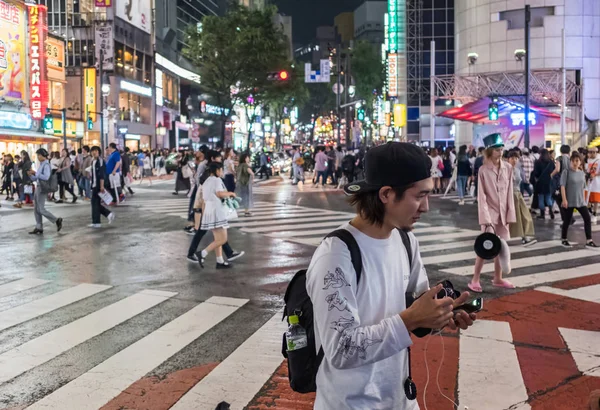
[436,170]
[214,217]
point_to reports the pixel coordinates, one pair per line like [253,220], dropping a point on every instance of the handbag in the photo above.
[28,189]
[487,245]
[106,197]
[440,165]
[186,171]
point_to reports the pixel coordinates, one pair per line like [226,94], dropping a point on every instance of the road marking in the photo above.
[280,216]
[587,293]
[241,224]
[478,369]
[20,285]
[555,275]
[107,380]
[46,347]
[305,241]
[465,256]
[297,210]
[28,311]
[436,229]
[445,245]
[584,348]
[307,227]
[543,260]
[435,237]
[242,374]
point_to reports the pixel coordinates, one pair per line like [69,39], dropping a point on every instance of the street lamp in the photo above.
[105,89]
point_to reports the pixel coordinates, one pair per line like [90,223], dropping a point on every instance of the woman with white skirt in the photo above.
[214,216]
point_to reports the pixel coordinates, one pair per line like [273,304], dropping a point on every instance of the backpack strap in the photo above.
[407,245]
[346,237]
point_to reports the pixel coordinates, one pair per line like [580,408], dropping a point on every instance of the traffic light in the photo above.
[360,114]
[493,112]
[48,122]
[90,123]
[282,75]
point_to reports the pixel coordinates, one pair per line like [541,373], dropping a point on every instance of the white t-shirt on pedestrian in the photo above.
[359,327]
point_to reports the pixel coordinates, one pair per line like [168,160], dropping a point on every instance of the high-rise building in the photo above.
[369,22]
[344,26]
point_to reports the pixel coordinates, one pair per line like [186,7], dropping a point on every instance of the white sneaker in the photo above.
[461,202]
[594,219]
[111,217]
[96,226]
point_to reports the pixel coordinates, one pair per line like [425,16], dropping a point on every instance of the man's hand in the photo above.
[461,318]
[428,311]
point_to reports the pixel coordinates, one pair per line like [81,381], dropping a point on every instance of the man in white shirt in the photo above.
[364,329]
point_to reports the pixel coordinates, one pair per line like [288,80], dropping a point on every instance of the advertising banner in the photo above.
[38,84]
[392,75]
[89,92]
[136,12]
[103,3]
[512,130]
[104,42]
[55,59]
[13,53]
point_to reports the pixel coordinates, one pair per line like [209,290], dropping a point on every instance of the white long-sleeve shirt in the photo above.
[359,327]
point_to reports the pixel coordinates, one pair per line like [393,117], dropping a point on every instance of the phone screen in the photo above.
[472,307]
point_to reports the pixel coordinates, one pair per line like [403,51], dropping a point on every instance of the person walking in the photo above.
[592,169]
[159,164]
[320,167]
[437,166]
[542,173]
[126,177]
[26,187]
[7,177]
[65,178]
[495,204]
[42,177]
[298,166]
[523,226]
[86,174]
[331,166]
[184,172]
[113,171]
[463,173]
[572,187]
[97,185]
[146,168]
[229,170]
[201,164]
[214,217]
[245,180]
[264,161]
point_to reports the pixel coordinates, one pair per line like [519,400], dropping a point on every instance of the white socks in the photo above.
[204,253]
[220,259]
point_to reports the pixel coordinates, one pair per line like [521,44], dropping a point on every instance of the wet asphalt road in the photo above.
[145,250]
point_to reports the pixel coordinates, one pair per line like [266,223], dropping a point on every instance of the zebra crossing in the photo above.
[469,200]
[236,379]
[288,188]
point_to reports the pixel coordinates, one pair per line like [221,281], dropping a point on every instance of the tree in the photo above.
[368,73]
[286,94]
[234,53]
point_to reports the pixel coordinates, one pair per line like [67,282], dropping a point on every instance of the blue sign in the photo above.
[16,120]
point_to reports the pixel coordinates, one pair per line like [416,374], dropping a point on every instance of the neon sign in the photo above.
[393,75]
[37,61]
[518,118]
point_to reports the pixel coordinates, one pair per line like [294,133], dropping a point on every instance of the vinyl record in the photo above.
[487,245]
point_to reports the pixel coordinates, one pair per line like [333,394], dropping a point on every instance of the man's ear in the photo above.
[385,194]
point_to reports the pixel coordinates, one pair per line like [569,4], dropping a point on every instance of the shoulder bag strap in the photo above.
[346,237]
[407,245]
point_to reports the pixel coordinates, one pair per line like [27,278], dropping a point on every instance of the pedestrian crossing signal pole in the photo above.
[527,72]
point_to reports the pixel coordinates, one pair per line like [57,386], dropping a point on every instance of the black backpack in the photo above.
[304,363]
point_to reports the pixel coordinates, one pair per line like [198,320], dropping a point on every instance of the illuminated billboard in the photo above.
[38,83]
[13,52]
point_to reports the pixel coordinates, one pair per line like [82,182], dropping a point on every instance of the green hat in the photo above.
[493,141]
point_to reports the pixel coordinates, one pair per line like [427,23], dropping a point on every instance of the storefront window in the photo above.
[134,108]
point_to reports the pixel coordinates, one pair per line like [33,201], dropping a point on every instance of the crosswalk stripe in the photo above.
[475,345]
[525,262]
[469,256]
[46,347]
[454,235]
[587,293]
[555,275]
[105,381]
[299,220]
[28,311]
[309,232]
[435,229]
[306,241]
[285,216]
[20,285]
[308,227]
[242,374]
[297,210]
[445,245]
[583,345]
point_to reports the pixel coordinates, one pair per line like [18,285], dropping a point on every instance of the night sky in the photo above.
[307,15]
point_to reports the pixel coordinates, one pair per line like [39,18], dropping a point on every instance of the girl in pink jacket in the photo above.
[496,205]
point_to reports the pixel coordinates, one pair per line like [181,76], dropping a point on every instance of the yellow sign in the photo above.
[13,55]
[75,129]
[89,92]
[55,59]
[399,115]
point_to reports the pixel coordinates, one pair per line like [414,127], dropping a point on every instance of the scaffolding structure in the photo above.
[414,47]
[545,87]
